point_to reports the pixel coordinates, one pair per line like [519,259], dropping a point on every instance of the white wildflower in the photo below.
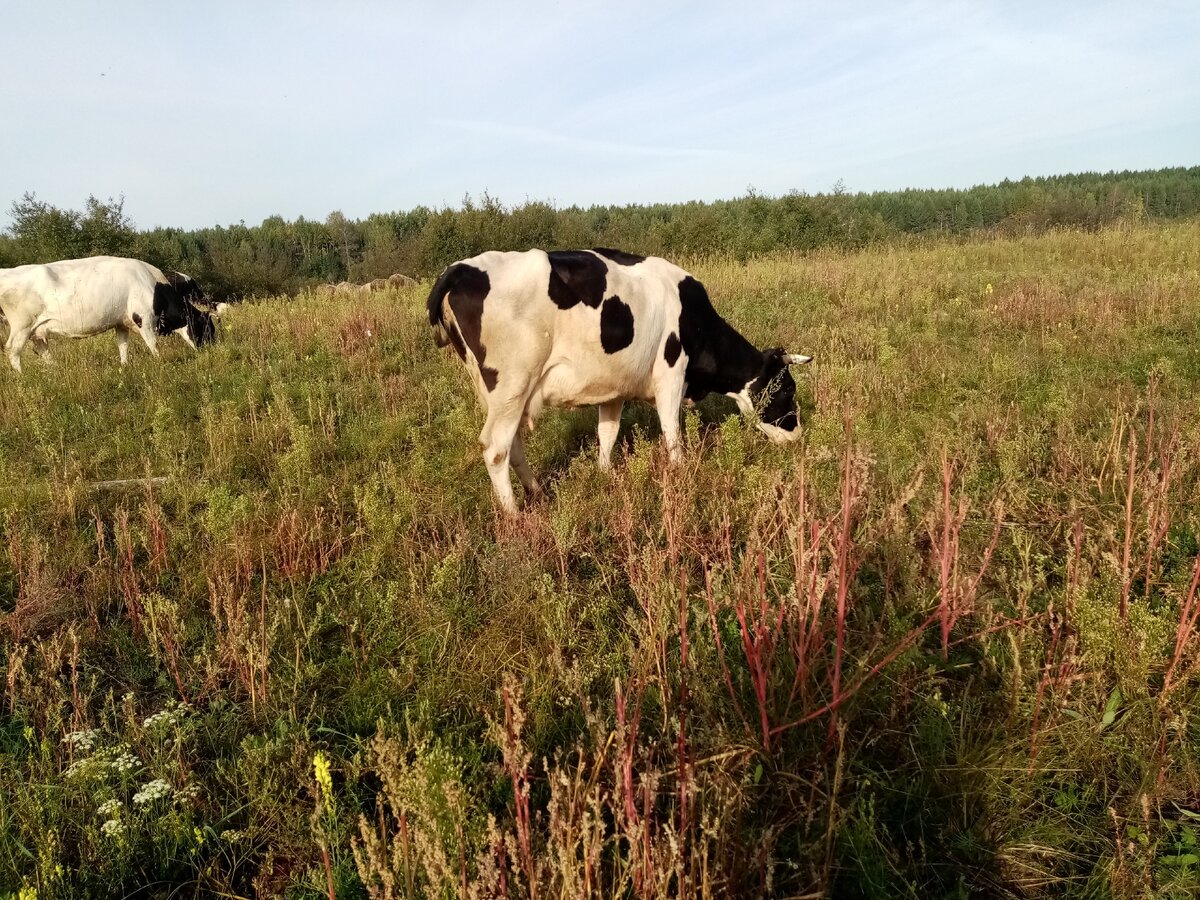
[109,808]
[124,762]
[168,717]
[232,834]
[155,720]
[113,828]
[83,741]
[151,791]
[81,768]
[118,759]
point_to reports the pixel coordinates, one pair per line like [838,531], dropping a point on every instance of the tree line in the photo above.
[281,256]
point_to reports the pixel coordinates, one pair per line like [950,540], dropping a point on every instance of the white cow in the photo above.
[581,327]
[82,297]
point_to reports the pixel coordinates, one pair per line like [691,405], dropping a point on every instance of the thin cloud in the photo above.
[239,111]
[544,138]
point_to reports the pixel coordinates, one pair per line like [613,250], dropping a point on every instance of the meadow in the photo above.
[944,646]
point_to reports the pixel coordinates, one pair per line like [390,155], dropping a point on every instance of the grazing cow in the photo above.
[581,327]
[82,297]
[400,281]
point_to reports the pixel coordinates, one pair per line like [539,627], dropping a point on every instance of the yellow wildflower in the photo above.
[324,779]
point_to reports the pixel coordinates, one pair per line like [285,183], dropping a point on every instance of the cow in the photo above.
[401,281]
[582,327]
[82,297]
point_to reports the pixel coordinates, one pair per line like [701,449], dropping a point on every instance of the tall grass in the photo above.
[946,645]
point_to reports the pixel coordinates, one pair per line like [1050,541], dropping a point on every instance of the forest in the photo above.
[279,256]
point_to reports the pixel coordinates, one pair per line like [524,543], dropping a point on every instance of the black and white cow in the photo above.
[82,297]
[580,327]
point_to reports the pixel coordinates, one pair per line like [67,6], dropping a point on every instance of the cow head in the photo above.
[201,326]
[183,313]
[773,393]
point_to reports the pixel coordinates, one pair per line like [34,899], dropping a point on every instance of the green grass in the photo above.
[638,686]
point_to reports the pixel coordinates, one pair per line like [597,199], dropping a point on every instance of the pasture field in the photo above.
[944,646]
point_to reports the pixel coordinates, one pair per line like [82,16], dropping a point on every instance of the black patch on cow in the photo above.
[671,350]
[620,257]
[186,288]
[456,341]
[576,276]
[137,320]
[464,287]
[616,325]
[170,312]
[694,298]
[720,361]
[470,285]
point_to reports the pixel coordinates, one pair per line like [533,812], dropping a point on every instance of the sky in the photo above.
[219,112]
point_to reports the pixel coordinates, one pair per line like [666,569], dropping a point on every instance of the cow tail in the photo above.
[437,308]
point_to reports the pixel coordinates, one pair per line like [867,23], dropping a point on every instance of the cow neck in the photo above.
[720,360]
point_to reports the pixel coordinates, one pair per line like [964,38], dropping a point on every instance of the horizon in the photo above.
[227,115]
[507,207]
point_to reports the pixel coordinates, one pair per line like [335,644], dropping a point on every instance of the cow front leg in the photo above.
[667,400]
[123,345]
[610,425]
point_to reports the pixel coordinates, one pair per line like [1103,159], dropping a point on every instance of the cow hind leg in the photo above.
[533,490]
[506,410]
[610,425]
[499,432]
[15,344]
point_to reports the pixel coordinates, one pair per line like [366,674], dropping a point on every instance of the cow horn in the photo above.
[796,359]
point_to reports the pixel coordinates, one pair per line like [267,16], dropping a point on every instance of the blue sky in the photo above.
[211,113]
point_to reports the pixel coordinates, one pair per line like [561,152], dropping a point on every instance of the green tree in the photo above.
[44,233]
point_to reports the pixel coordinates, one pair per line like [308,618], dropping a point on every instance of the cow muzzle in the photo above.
[777,435]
